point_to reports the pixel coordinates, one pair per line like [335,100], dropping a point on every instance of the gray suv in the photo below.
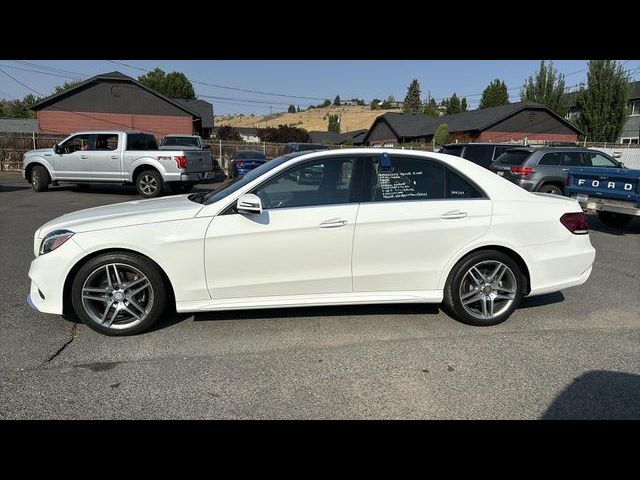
[545,169]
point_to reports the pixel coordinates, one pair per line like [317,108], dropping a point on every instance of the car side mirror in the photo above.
[56,148]
[249,203]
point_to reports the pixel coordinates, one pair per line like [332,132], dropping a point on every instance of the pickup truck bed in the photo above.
[613,193]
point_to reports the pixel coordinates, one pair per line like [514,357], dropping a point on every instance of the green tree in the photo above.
[227,132]
[66,86]
[334,124]
[452,104]
[412,102]
[494,95]
[547,87]
[292,109]
[603,105]
[375,103]
[441,135]
[18,108]
[463,105]
[283,134]
[431,108]
[336,101]
[172,85]
[326,103]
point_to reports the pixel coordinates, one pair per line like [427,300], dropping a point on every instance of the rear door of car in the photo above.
[419,214]
[105,157]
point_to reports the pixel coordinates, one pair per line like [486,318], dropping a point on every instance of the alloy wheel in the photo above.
[148,184]
[117,296]
[488,289]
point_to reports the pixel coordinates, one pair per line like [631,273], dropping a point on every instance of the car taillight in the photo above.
[576,223]
[522,170]
[240,164]
[181,161]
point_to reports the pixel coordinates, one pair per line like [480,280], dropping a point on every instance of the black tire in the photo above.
[149,184]
[184,187]
[40,179]
[158,298]
[453,292]
[550,188]
[615,220]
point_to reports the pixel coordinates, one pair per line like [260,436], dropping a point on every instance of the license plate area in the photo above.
[582,198]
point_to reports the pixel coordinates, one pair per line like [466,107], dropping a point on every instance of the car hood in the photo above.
[39,152]
[125,214]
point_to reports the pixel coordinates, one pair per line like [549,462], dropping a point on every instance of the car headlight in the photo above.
[53,240]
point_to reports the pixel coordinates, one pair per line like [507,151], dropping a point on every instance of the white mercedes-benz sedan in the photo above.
[332,227]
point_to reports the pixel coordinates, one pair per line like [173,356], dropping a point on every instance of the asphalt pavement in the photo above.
[574,354]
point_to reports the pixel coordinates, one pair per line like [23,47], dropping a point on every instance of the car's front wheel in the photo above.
[484,288]
[40,179]
[119,293]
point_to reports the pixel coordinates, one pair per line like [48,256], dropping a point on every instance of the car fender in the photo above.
[148,162]
[39,159]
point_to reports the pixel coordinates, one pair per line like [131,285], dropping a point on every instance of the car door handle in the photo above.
[115,157]
[565,169]
[84,156]
[333,223]
[453,215]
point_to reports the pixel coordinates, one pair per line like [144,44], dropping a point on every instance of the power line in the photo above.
[18,81]
[226,86]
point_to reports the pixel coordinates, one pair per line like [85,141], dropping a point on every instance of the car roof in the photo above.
[462,144]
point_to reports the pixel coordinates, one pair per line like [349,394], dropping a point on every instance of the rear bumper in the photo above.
[196,177]
[609,205]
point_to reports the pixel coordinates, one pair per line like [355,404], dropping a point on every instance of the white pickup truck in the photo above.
[117,157]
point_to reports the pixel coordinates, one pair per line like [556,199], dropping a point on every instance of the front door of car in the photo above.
[72,163]
[105,158]
[300,244]
[420,214]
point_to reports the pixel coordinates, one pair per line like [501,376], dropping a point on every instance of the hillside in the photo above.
[316,119]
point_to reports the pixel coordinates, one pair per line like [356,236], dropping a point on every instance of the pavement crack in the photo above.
[65,345]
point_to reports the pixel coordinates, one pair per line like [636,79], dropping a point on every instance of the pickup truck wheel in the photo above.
[150,184]
[552,189]
[615,220]
[484,288]
[40,179]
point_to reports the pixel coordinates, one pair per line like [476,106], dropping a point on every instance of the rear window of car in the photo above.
[513,157]
[453,150]
[141,141]
[181,141]
[250,155]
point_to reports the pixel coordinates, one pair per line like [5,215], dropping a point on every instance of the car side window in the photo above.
[76,143]
[549,159]
[500,149]
[573,159]
[599,160]
[479,154]
[326,181]
[106,142]
[460,187]
[400,178]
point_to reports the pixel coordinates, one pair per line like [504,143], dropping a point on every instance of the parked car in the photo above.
[383,226]
[480,153]
[183,142]
[613,193]
[303,147]
[545,169]
[244,161]
[117,157]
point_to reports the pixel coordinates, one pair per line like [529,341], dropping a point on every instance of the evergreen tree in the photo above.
[463,105]
[336,101]
[291,109]
[412,102]
[452,104]
[603,104]
[441,135]
[547,87]
[494,95]
[334,124]
[431,108]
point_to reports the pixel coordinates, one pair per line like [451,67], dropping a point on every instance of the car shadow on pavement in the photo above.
[540,300]
[596,225]
[13,188]
[328,311]
[598,395]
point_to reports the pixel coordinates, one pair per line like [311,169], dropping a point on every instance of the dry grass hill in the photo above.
[316,119]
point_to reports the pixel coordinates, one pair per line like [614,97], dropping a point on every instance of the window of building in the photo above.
[630,140]
[634,107]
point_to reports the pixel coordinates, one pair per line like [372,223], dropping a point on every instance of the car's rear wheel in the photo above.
[484,288]
[615,220]
[40,179]
[552,189]
[119,293]
[150,184]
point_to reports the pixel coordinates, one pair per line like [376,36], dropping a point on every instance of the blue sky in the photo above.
[309,78]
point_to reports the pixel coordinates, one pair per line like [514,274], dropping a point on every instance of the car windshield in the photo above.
[239,182]
[179,141]
[513,157]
